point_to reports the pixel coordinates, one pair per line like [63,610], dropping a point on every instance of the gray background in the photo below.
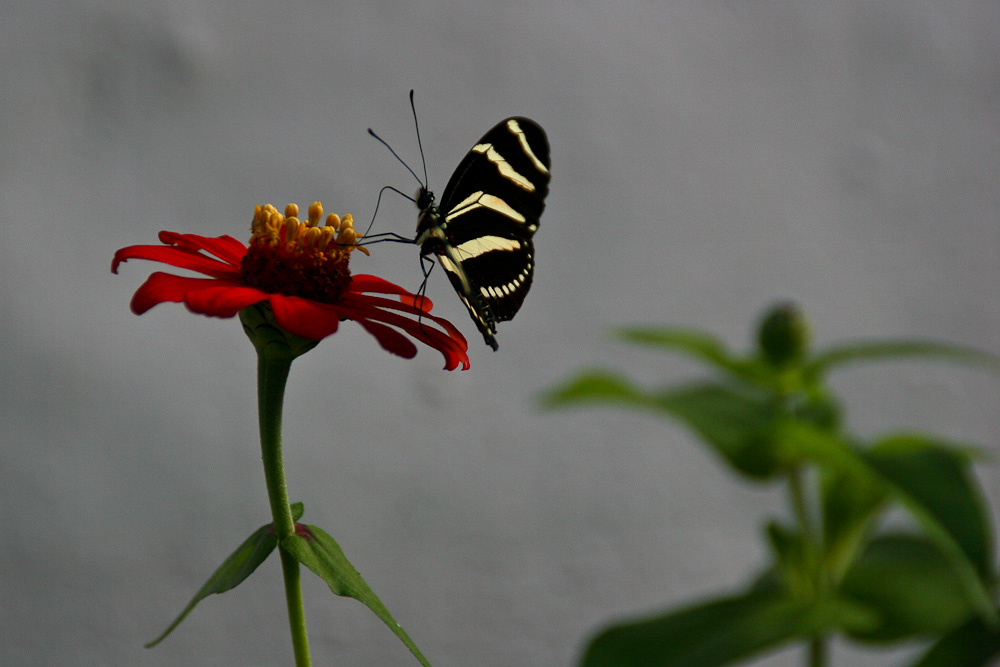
[708,159]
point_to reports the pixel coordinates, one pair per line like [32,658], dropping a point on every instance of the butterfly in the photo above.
[481,233]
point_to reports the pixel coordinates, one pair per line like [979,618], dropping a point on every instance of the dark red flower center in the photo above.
[300,258]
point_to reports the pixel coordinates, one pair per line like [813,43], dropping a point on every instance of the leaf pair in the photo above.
[312,547]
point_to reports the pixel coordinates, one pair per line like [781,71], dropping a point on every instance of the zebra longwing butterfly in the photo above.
[481,232]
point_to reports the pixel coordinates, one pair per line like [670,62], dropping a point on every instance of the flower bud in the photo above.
[784,335]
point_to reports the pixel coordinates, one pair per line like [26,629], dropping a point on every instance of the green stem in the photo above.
[796,487]
[272,373]
[813,533]
[817,652]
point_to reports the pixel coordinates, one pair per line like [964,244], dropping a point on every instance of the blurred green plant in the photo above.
[836,568]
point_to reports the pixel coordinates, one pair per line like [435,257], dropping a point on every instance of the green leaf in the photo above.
[698,345]
[735,423]
[934,484]
[594,386]
[795,557]
[800,441]
[817,409]
[714,633]
[971,645]
[911,585]
[240,564]
[936,478]
[840,355]
[851,503]
[321,554]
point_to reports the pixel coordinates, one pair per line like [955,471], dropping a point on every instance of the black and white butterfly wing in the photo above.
[481,232]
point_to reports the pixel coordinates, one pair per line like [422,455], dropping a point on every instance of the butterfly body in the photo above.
[482,231]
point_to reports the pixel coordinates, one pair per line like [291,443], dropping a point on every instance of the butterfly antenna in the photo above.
[420,145]
[395,155]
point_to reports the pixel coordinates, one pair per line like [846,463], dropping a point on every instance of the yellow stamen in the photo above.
[291,256]
[315,213]
[268,225]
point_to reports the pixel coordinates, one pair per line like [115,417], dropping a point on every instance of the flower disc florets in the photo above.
[300,258]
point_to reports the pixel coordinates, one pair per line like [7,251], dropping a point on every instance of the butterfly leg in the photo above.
[386,236]
[426,266]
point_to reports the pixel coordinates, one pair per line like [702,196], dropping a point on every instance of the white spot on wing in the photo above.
[523,140]
[481,200]
[485,244]
[504,167]
[447,264]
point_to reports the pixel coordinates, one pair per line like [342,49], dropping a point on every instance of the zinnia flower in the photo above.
[301,270]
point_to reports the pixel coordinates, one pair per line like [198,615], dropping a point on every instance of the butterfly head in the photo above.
[429,221]
[424,199]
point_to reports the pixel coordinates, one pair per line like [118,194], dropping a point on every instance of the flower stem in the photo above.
[272,372]
[817,652]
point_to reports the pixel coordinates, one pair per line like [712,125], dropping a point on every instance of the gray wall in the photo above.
[708,159]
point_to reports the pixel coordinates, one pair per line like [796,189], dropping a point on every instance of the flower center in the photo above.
[300,258]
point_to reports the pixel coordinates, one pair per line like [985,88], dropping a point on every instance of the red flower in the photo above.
[301,270]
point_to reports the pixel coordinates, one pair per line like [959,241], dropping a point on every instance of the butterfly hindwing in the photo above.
[482,230]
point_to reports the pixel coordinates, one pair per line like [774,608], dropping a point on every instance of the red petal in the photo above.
[367,283]
[417,301]
[390,339]
[160,287]
[181,258]
[207,296]
[305,318]
[404,307]
[222,300]
[452,344]
[455,351]
[224,247]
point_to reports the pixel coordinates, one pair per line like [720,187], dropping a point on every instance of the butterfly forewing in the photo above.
[488,214]
[513,160]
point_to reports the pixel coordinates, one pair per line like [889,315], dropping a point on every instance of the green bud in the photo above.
[784,335]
